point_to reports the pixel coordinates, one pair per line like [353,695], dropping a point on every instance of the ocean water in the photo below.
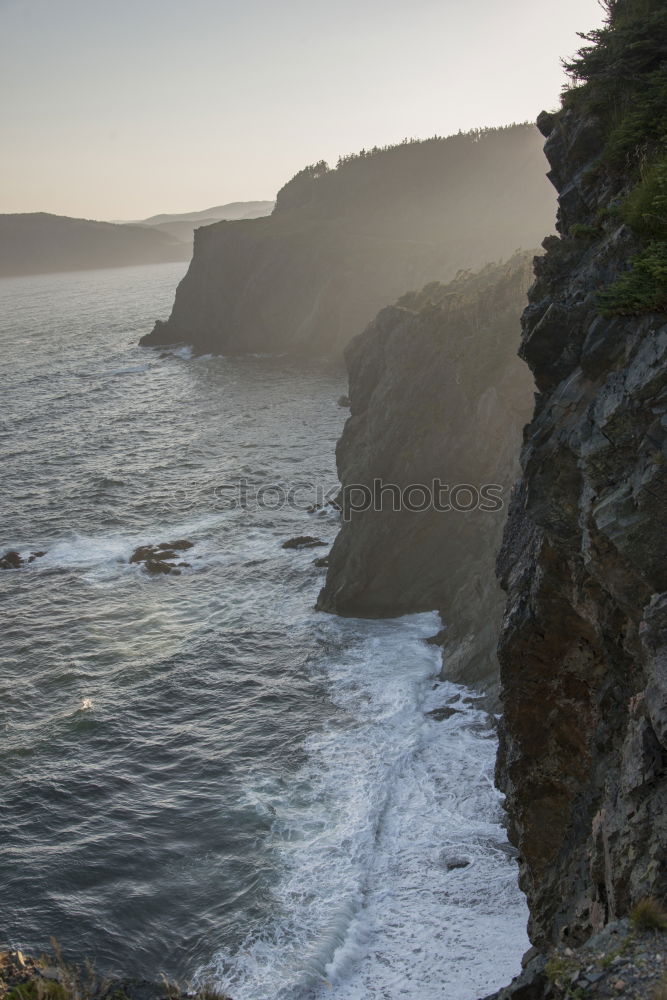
[199,775]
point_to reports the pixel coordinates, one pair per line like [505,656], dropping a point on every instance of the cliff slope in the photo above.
[436,392]
[583,651]
[343,243]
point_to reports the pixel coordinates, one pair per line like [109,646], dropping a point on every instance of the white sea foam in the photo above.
[129,370]
[83,551]
[396,880]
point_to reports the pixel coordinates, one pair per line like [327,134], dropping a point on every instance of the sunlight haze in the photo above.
[119,111]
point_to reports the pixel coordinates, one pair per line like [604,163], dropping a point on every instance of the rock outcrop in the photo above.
[164,558]
[583,651]
[303,542]
[436,393]
[14,560]
[50,977]
[343,243]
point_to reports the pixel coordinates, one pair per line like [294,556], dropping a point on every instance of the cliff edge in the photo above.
[583,649]
[436,393]
[342,243]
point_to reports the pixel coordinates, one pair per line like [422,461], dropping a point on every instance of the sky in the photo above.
[121,109]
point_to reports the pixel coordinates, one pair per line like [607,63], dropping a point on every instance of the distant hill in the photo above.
[341,243]
[39,243]
[234,210]
[183,226]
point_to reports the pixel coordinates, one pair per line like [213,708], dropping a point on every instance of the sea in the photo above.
[201,776]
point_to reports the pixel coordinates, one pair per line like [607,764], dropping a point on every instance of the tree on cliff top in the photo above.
[621,77]
[370,178]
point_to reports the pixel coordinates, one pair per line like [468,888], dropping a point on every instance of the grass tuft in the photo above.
[649,915]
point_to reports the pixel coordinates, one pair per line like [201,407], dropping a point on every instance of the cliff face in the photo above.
[583,650]
[436,391]
[343,243]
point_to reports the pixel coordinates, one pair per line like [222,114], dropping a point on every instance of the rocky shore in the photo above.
[51,977]
[622,962]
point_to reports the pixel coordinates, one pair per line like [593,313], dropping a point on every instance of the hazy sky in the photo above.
[119,109]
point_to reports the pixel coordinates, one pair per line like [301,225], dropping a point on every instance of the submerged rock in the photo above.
[11,560]
[159,559]
[303,542]
[14,560]
[446,712]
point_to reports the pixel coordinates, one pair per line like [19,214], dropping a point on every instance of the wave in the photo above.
[394,863]
[110,553]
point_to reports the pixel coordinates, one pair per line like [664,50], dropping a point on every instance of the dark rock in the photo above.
[142,553]
[155,566]
[52,978]
[36,555]
[531,984]
[303,542]
[318,508]
[344,401]
[454,862]
[181,544]
[321,562]
[159,559]
[11,560]
[440,714]
[583,650]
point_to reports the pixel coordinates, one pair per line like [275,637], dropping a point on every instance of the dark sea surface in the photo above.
[199,775]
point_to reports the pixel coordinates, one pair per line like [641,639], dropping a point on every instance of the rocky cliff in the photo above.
[583,650]
[343,243]
[436,393]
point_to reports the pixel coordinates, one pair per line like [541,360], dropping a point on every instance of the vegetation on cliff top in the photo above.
[368,177]
[621,77]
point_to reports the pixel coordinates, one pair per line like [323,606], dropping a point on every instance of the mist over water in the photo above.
[201,776]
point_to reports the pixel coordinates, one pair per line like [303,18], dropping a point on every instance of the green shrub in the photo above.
[649,915]
[660,992]
[645,208]
[620,76]
[641,289]
[38,989]
[582,231]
